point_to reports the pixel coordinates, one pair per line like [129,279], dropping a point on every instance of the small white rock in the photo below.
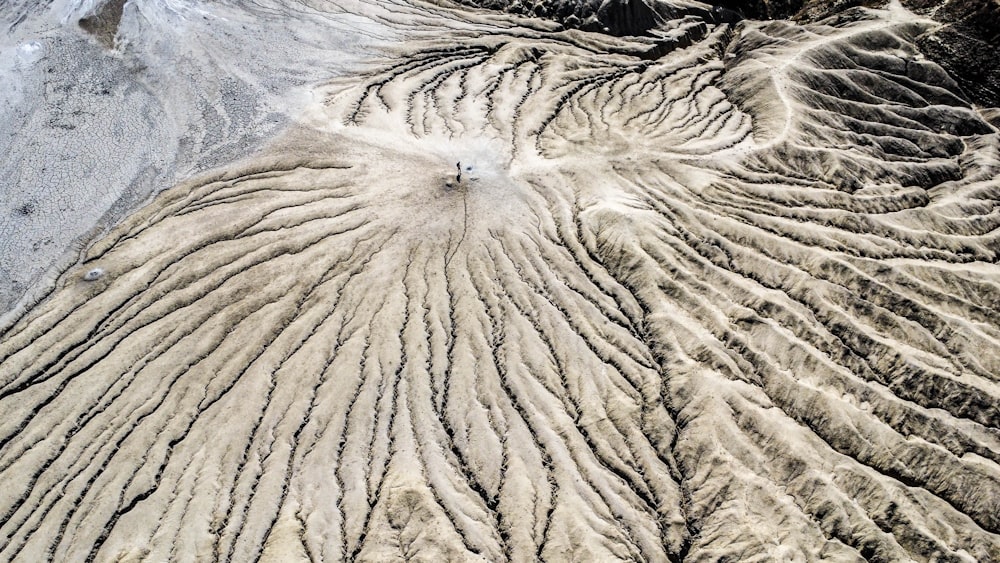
[93,274]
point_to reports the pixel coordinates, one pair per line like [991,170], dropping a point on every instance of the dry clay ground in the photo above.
[722,291]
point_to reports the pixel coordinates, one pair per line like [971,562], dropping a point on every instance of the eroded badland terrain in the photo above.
[558,280]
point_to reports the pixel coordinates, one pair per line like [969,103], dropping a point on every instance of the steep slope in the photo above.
[717,291]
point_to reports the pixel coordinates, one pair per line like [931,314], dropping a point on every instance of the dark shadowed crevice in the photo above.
[103,24]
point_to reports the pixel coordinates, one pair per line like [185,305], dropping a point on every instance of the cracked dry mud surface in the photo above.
[656,284]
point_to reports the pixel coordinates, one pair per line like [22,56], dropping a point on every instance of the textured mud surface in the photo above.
[502,288]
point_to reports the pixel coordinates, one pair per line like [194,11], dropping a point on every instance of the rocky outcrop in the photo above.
[103,23]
